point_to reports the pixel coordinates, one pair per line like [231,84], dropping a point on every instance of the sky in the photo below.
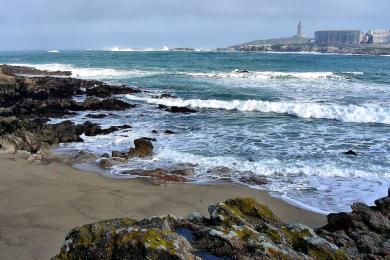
[102,24]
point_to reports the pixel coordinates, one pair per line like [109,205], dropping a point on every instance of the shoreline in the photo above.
[43,202]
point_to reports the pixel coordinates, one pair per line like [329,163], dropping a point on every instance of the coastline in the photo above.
[41,203]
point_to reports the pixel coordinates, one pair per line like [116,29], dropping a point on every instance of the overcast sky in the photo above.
[96,24]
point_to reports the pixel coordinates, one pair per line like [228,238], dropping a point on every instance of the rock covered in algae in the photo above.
[236,229]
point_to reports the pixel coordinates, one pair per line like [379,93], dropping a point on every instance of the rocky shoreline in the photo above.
[236,229]
[318,48]
[29,97]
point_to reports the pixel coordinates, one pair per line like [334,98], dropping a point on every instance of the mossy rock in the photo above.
[241,211]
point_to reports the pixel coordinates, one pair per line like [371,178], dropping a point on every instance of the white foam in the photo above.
[264,75]
[368,113]
[117,49]
[53,51]
[90,73]
[267,167]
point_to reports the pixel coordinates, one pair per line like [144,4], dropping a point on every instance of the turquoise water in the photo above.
[289,119]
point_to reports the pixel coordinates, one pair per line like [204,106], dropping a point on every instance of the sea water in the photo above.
[288,120]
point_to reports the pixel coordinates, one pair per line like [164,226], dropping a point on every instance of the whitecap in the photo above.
[368,113]
[264,75]
[90,72]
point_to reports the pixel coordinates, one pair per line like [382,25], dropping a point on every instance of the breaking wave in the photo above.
[90,73]
[264,75]
[368,113]
[117,49]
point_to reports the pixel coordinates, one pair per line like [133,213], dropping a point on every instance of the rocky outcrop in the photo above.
[365,49]
[363,233]
[107,91]
[23,70]
[31,135]
[110,104]
[236,229]
[180,110]
[52,96]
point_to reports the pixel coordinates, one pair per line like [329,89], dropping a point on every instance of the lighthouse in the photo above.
[300,30]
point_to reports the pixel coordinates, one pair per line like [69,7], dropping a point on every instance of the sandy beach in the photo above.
[41,203]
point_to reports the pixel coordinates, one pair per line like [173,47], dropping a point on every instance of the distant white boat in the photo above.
[54,51]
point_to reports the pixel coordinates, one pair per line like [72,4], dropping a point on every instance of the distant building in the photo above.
[338,37]
[300,30]
[378,36]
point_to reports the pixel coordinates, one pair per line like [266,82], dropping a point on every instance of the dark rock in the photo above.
[169,132]
[142,148]
[350,152]
[363,232]
[105,163]
[29,135]
[105,155]
[150,139]
[162,107]
[118,154]
[254,180]
[166,95]
[184,110]
[104,91]
[96,115]
[110,104]
[242,71]
[14,70]
[154,132]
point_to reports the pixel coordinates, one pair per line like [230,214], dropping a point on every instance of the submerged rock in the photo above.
[177,174]
[351,152]
[105,163]
[96,116]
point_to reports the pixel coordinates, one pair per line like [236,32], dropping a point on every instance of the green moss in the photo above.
[276,254]
[248,207]
[321,254]
[155,239]
[273,235]
[296,238]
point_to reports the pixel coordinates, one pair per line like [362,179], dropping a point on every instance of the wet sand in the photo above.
[41,203]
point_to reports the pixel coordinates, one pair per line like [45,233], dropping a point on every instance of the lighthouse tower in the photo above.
[300,30]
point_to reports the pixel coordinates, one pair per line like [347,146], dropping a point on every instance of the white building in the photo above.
[379,36]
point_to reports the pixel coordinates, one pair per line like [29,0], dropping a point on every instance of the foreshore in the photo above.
[41,203]
[51,209]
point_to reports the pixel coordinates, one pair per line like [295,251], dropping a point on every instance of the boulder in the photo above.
[184,110]
[363,232]
[104,91]
[142,148]
[110,104]
[117,154]
[105,163]
[236,229]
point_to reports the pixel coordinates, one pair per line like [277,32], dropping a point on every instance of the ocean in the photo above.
[289,120]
